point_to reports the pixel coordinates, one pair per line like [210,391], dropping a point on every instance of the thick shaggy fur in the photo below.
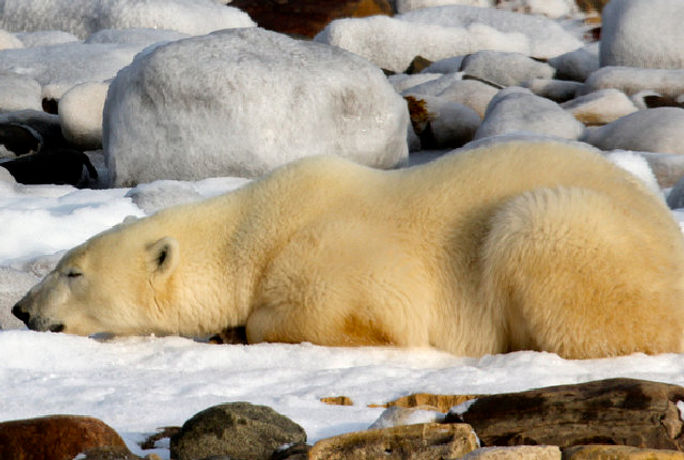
[521,245]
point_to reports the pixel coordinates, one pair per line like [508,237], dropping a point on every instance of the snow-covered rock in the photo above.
[83,17]
[80,114]
[516,110]
[550,8]
[392,43]
[653,130]
[600,107]
[241,102]
[577,65]
[435,86]
[403,81]
[442,123]
[505,69]
[546,37]
[447,65]
[471,93]
[65,66]
[404,6]
[18,92]
[45,38]
[638,33]
[9,41]
[143,37]
[631,80]
[556,90]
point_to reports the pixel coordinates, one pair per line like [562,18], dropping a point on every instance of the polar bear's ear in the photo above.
[163,256]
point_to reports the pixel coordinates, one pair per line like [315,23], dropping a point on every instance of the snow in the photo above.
[243,101]
[18,92]
[83,17]
[54,65]
[45,38]
[139,384]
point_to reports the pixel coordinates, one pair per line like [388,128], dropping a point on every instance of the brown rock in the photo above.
[617,411]
[337,401]
[55,437]
[417,65]
[441,403]
[307,17]
[418,442]
[619,453]
[591,5]
[515,453]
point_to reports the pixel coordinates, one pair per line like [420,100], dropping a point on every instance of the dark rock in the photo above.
[19,139]
[163,433]
[21,131]
[61,166]
[50,105]
[616,411]
[418,64]
[299,451]
[307,17]
[417,442]
[675,200]
[109,453]
[56,437]
[239,430]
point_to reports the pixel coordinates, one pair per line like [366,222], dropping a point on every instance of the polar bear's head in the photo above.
[111,284]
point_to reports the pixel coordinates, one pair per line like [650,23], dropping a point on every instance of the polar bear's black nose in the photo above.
[21,314]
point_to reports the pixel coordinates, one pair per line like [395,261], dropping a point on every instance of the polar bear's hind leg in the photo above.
[578,274]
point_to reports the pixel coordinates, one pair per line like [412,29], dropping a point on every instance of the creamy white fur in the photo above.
[519,245]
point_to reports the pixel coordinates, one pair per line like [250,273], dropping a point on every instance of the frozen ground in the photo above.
[139,384]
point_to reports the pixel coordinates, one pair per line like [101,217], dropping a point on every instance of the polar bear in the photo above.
[519,245]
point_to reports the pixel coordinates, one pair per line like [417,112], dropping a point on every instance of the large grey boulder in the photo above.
[638,33]
[242,102]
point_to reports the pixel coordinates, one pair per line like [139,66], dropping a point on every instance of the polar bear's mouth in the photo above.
[56,328]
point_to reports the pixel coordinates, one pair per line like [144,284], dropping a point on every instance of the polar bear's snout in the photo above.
[35,322]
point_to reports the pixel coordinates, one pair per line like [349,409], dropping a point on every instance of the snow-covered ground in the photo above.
[139,384]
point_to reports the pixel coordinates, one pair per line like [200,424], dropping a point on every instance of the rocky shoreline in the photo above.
[608,419]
